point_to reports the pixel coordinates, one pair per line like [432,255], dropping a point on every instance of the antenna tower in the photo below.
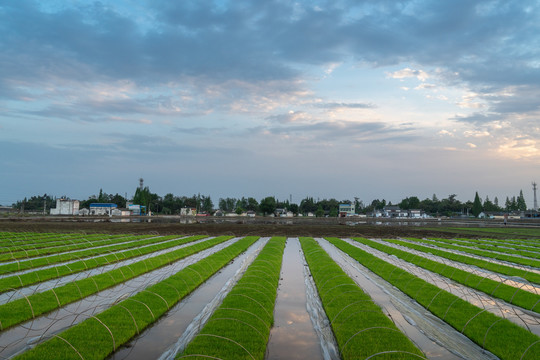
[141,184]
[535,202]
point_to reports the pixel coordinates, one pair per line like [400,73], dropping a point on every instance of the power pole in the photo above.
[535,206]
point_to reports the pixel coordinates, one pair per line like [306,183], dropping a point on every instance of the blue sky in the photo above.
[374,99]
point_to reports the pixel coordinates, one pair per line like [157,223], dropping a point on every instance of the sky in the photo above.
[380,99]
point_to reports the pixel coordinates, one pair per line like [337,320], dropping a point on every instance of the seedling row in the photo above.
[499,336]
[240,327]
[37,262]
[29,278]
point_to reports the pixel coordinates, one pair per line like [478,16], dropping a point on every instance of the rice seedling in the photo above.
[126,243]
[498,268]
[100,335]
[522,298]
[27,308]
[487,254]
[34,277]
[240,327]
[499,336]
[361,329]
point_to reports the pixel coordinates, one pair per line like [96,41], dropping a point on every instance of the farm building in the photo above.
[5,209]
[66,207]
[137,209]
[394,211]
[102,208]
[346,210]
[186,211]
[120,212]
[416,213]
[283,213]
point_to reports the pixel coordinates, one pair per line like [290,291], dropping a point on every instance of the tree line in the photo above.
[171,204]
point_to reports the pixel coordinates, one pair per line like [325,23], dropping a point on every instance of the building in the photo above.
[102,208]
[416,213]
[346,210]
[186,211]
[66,207]
[121,212]
[394,211]
[5,209]
[137,210]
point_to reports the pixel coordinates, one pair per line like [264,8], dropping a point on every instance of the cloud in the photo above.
[335,105]
[355,132]
[477,118]
[408,73]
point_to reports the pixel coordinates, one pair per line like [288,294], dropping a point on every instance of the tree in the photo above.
[319,212]
[307,205]
[207,205]
[101,197]
[268,205]
[252,204]
[144,197]
[477,205]
[409,203]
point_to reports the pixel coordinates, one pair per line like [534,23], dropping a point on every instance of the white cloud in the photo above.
[445,132]
[476,133]
[471,145]
[519,149]
[408,73]
[426,86]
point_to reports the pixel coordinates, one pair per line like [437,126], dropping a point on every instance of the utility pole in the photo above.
[535,206]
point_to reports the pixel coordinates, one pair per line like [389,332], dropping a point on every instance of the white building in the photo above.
[66,207]
[346,210]
[102,208]
[120,212]
[186,211]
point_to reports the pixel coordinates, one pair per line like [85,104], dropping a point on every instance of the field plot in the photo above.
[97,296]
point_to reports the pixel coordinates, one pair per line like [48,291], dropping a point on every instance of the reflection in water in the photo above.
[292,336]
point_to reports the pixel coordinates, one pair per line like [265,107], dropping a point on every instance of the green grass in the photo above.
[100,336]
[240,327]
[27,308]
[359,325]
[503,338]
[34,277]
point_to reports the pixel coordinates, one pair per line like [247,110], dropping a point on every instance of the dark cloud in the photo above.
[484,41]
